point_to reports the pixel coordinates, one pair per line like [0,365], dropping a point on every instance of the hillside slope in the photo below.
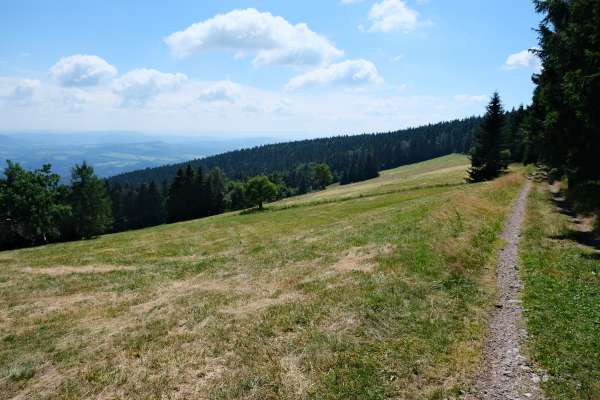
[371,291]
[390,149]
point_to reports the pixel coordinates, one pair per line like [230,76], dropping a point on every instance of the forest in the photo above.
[387,150]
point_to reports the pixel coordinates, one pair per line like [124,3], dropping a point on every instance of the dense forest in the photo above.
[562,125]
[387,150]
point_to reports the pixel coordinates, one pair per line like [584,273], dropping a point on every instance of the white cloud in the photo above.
[24,91]
[392,15]
[82,70]
[271,39]
[351,72]
[73,100]
[137,87]
[223,91]
[522,59]
[468,98]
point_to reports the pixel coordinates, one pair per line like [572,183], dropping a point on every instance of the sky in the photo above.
[283,69]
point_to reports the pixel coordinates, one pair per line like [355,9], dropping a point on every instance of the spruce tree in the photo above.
[176,202]
[487,157]
[90,205]
[216,191]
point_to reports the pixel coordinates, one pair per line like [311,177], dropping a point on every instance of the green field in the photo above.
[562,296]
[367,291]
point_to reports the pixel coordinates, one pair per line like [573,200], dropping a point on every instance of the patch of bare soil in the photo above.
[506,373]
[360,259]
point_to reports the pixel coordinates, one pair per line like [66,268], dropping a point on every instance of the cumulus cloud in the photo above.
[392,15]
[271,39]
[24,91]
[137,87]
[82,70]
[223,91]
[350,72]
[469,98]
[522,59]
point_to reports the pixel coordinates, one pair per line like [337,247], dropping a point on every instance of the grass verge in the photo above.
[562,299]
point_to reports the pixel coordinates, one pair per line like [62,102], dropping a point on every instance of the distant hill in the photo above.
[391,149]
[110,153]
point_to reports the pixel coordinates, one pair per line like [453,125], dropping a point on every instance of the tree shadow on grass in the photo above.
[583,233]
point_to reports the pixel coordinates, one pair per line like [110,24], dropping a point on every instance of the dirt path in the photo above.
[506,373]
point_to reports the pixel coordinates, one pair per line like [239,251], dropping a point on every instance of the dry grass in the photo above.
[379,296]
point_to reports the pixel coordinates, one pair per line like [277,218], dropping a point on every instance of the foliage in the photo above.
[323,176]
[487,157]
[360,166]
[32,206]
[91,212]
[563,127]
[391,149]
[259,190]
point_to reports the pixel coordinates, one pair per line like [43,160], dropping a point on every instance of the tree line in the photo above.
[36,209]
[561,127]
[387,150]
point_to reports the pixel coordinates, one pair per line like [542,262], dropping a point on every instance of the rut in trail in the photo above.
[506,373]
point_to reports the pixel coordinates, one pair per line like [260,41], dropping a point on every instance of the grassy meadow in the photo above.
[562,297]
[368,291]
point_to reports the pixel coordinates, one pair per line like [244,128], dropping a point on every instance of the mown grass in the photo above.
[377,296]
[562,299]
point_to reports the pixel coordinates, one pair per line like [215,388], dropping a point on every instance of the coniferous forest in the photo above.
[386,150]
[562,125]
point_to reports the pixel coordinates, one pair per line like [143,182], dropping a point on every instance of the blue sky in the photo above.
[248,68]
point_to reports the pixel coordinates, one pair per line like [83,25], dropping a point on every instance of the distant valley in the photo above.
[111,153]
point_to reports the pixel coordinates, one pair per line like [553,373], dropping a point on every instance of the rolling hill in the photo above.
[372,290]
[390,150]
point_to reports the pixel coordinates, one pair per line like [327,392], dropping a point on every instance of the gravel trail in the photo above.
[506,373]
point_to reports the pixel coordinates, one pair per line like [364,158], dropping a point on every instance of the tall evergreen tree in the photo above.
[90,204]
[199,197]
[176,202]
[154,206]
[216,191]
[567,97]
[487,157]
